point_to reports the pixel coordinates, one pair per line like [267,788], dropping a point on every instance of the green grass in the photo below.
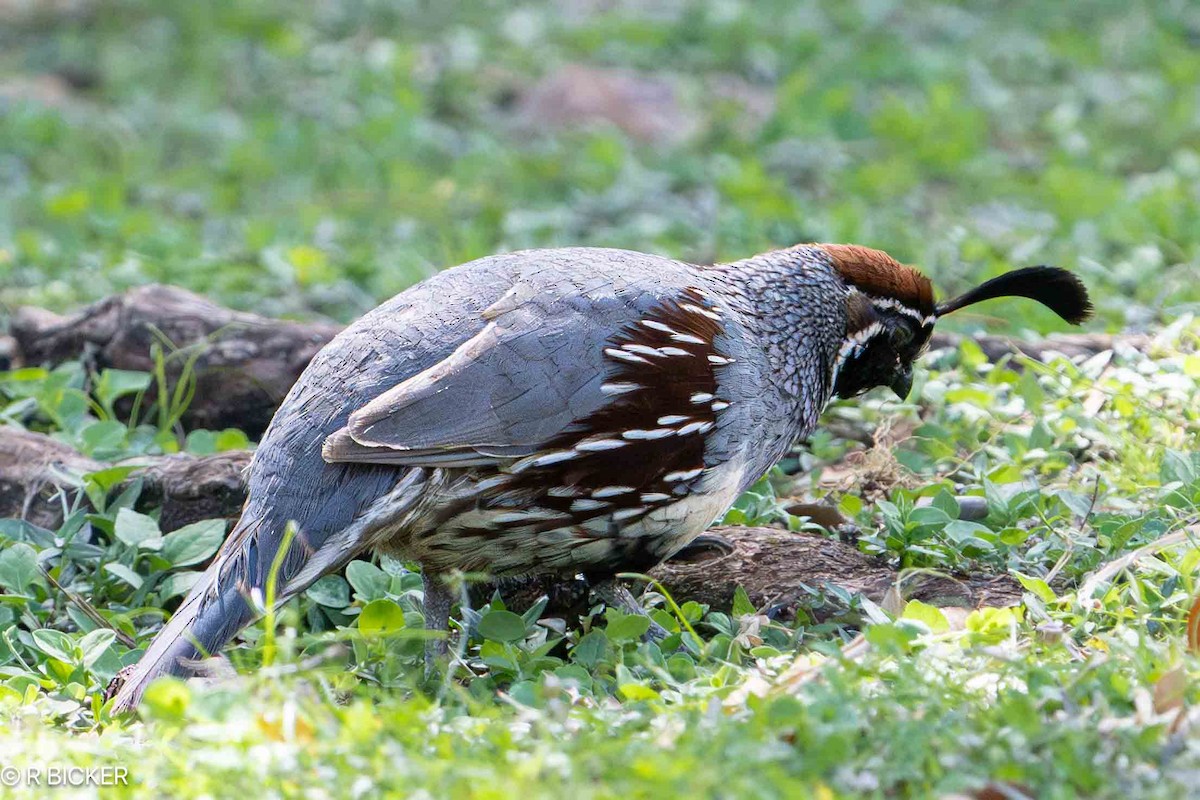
[312,159]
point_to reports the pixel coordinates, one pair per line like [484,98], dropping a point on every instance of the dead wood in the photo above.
[38,474]
[781,571]
[1071,345]
[245,363]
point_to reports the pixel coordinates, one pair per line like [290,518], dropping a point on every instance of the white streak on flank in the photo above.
[584,504]
[674,351]
[642,349]
[658,326]
[618,388]
[672,419]
[655,497]
[554,458]
[687,338]
[562,491]
[624,355]
[596,445]
[695,309]
[695,427]
[612,491]
[638,433]
[542,460]
[719,360]
[491,483]
[719,405]
[701,397]
[627,513]
[510,517]
[683,475]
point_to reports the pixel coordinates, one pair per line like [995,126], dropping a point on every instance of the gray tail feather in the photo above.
[207,619]
[215,610]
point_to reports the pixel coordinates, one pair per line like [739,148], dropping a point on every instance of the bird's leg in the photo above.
[438,600]
[614,594]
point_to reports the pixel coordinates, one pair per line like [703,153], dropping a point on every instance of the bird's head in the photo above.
[891,311]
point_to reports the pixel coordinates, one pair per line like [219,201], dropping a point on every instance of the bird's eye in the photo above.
[901,336]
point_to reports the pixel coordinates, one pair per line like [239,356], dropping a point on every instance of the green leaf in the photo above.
[124,573]
[232,439]
[1009,473]
[961,531]
[368,580]
[193,543]
[380,618]
[330,591]
[590,649]
[637,691]
[625,627]
[1037,586]
[693,612]
[929,516]
[20,530]
[18,567]
[534,612]
[502,626]
[116,383]
[575,673]
[103,436]
[200,442]
[136,530]
[177,584]
[741,603]
[946,502]
[55,644]
[95,644]
[930,616]
[101,482]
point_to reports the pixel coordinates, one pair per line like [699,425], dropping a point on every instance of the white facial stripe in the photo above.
[857,341]
[854,344]
[895,305]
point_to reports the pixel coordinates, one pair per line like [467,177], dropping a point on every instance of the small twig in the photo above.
[1116,565]
[90,611]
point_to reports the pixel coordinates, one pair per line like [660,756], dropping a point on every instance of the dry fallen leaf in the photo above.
[1169,690]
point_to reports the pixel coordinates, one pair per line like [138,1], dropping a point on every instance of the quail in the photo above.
[577,410]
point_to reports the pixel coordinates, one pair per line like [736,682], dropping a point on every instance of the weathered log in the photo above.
[1071,345]
[782,571]
[778,569]
[35,468]
[245,363]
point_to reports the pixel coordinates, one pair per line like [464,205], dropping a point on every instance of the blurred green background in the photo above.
[304,158]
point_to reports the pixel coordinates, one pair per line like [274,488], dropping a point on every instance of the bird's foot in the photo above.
[438,600]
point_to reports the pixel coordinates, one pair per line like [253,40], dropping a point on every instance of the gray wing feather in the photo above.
[535,368]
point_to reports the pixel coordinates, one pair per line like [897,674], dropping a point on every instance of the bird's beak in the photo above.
[902,383]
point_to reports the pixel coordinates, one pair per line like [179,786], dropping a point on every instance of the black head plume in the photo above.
[1058,290]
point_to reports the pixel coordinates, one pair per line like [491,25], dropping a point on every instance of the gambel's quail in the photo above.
[559,411]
